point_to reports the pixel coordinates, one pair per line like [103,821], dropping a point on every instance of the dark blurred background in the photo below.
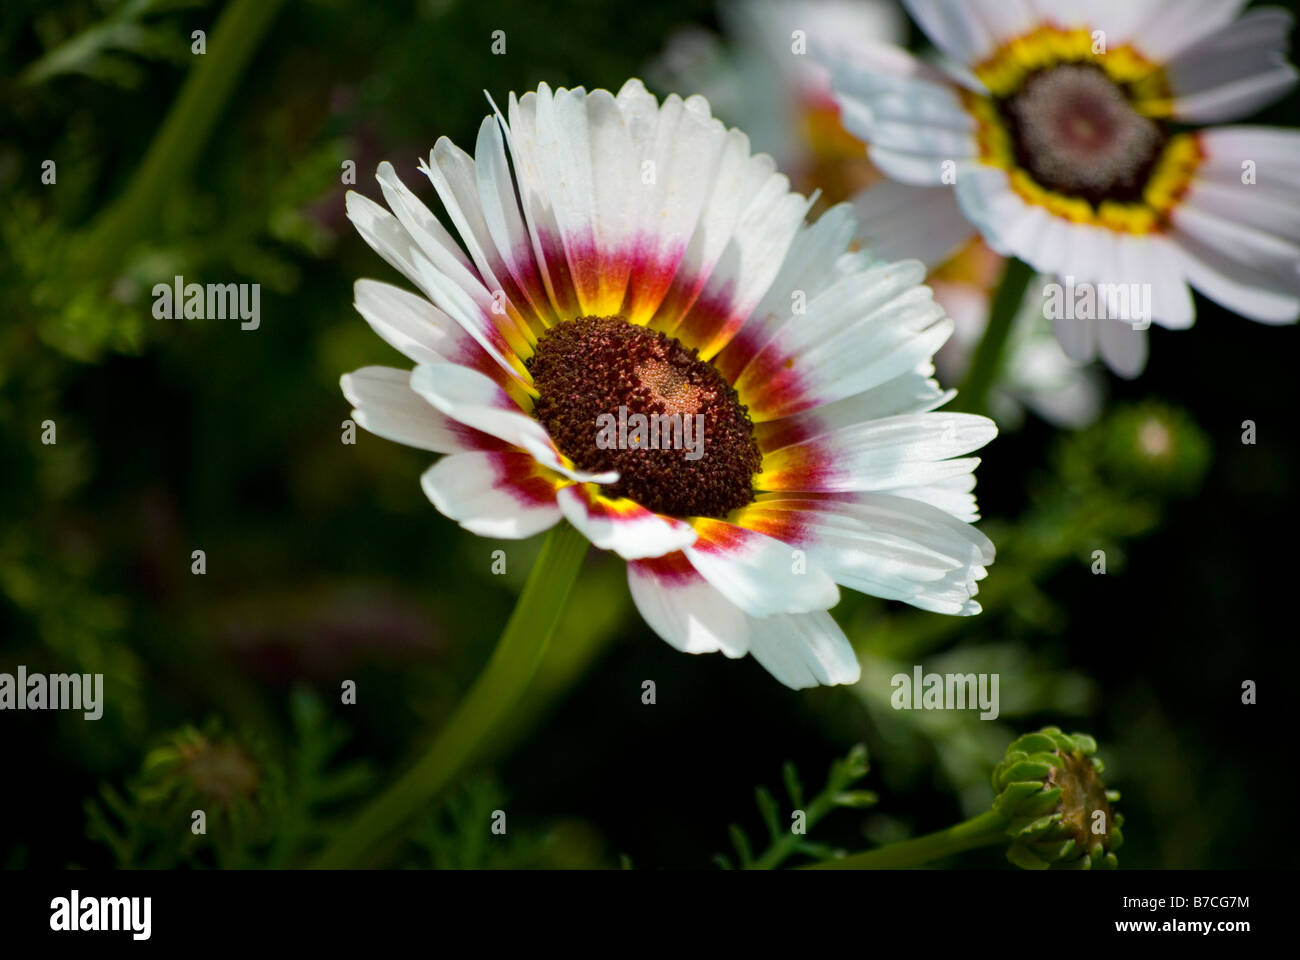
[326,563]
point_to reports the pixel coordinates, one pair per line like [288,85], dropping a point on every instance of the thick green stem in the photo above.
[973,396]
[484,709]
[186,130]
[987,828]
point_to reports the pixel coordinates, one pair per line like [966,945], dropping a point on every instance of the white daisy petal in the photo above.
[1265,210]
[880,544]
[621,525]
[804,650]
[919,169]
[479,321]
[739,245]
[916,136]
[760,575]
[1008,224]
[924,104]
[900,221]
[1268,253]
[493,494]
[901,451]
[1008,19]
[386,405]
[871,327]
[496,298]
[1077,336]
[764,27]
[860,71]
[813,263]
[1157,264]
[1123,347]
[423,227]
[454,176]
[1220,253]
[1172,26]
[509,250]
[585,160]
[913,392]
[958,29]
[684,610]
[409,323]
[1244,231]
[386,235]
[1238,286]
[1235,71]
[672,144]
[1118,18]
[906,112]
[471,398]
[539,213]
[801,650]
[953,495]
[414,326]
[1274,152]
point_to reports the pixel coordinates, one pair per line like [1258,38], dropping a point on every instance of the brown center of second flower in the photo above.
[1075,131]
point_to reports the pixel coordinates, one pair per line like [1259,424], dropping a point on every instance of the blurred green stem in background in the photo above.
[486,708]
[184,133]
[981,831]
[598,607]
[973,396]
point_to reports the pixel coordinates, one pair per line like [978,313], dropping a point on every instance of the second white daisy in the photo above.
[1048,129]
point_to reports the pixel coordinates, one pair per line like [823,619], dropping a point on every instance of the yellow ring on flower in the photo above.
[1005,72]
[1006,69]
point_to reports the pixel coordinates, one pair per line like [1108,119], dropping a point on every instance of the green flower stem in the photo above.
[973,396]
[597,610]
[484,709]
[185,132]
[982,831]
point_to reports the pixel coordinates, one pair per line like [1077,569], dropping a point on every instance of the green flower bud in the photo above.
[1059,813]
[1157,447]
[208,767]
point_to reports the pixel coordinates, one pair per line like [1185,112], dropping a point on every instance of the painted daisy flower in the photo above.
[622,257]
[1057,133]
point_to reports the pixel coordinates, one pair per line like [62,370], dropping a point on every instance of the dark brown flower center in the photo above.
[1074,130]
[616,396]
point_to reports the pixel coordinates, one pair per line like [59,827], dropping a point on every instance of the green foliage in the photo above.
[79,276]
[469,830]
[1103,487]
[107,50]
[789,837]
[261,808]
